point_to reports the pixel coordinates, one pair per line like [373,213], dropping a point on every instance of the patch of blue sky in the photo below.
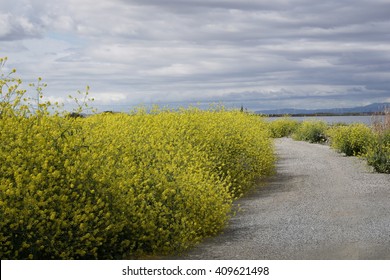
[69,38]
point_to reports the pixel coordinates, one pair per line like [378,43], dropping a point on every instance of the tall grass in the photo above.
[381,123]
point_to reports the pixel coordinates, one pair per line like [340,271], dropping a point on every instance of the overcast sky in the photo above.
[259,54]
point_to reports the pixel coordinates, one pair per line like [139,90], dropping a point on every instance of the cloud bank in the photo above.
[259,54]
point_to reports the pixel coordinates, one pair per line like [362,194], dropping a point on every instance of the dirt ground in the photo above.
[319,205]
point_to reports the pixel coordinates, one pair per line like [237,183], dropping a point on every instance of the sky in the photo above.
[256,54]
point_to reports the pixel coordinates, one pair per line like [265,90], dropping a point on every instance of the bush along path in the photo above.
[119,186]
[320,205]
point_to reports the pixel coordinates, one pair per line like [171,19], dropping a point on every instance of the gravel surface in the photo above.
[319,205]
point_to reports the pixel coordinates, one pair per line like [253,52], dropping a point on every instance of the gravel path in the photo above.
[319,205]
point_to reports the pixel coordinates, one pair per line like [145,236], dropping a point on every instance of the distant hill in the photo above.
[369,109]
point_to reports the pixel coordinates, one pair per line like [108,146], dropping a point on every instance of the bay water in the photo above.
[368,120]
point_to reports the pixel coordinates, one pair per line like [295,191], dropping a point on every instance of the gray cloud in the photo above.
[261,53]
[16,28]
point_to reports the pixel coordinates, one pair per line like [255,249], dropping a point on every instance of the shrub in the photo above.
[113,186]
[311,131]
[55,201]
[378,154]
[283,127]
[227,133]
[352,140]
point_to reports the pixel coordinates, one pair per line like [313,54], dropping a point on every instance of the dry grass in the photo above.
[381,122]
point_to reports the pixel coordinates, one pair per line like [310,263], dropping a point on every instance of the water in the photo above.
[335,119]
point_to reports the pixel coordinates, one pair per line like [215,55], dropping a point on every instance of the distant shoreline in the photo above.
[374,109]
[325,114]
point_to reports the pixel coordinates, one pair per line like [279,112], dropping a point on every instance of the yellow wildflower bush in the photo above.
[52,204]
[312,131]
[283,127]
[353,140]
[115,186]
[378,152]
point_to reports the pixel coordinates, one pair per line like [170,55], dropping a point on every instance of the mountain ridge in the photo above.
[368,109]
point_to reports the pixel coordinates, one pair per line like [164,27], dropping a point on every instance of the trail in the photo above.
[319,205]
